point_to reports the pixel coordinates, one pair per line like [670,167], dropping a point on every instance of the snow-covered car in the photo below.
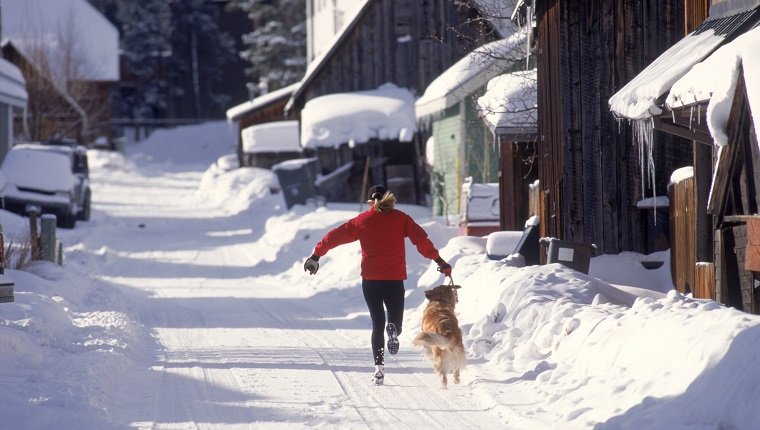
[53,178]
[77,155]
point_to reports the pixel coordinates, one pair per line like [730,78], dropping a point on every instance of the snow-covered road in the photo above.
[237,345]
[182,304]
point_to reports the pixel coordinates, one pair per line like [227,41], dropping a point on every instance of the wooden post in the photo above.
[47,238]
[704,284]
[33,236]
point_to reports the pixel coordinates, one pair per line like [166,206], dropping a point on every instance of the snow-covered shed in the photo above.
[265,108]
[270,143]
[707,88]
[371,130]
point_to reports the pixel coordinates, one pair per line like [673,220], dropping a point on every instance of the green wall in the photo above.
[457,156]
[447,134]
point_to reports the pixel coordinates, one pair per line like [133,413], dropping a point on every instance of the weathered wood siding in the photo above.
[683,234]
[588,166]
[695,11]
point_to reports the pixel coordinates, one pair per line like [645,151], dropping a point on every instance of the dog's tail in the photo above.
[426,338]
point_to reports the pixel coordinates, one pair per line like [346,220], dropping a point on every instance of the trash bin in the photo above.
[574,255]
[296,179]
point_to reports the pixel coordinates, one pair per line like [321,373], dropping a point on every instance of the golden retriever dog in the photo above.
[441,336]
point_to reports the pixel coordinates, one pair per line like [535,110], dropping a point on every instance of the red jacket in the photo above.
[381,236]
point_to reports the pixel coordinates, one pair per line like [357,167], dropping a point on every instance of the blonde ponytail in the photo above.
[386,203]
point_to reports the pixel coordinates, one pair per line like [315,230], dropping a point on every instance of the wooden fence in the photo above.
[683,234]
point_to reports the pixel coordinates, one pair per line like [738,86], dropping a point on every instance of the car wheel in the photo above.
[67,221]
[84,213]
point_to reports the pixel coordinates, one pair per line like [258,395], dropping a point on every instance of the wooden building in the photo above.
[407,43]
[714,212]
[590,173]
[735,206]
[71,88]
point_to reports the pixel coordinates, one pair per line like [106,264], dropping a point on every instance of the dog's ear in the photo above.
[428,293]
[456,287]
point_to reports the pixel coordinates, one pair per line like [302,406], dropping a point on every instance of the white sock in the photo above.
[380,368]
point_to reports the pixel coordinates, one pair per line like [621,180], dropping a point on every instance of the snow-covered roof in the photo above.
[385,113]
[12,85]
[638,98]
[235,112]
[470,73]
[715,79]
[57,25]
[277,136]
[511,102]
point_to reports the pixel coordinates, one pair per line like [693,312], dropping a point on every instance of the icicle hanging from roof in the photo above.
[643,136]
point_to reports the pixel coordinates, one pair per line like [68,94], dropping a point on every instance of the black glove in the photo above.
[443,267]
[311,265]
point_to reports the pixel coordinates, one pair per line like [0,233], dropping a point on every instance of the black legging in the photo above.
[377,293]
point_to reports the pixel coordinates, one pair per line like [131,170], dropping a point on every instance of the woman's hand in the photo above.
[443,266]
[311,265]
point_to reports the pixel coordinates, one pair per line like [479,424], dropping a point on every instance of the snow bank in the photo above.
[50,342]
[189,144]
[578,340]
[236,189]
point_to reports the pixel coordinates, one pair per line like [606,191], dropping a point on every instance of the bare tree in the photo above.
[56,65]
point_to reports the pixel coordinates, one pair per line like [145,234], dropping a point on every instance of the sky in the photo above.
[182,303]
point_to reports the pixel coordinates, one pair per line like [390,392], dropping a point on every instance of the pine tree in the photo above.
[174,52]
[146,28]
[201,49]
[276,48]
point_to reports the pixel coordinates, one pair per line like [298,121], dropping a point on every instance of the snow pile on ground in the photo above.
[226,184]
[572,339]
[187,144]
